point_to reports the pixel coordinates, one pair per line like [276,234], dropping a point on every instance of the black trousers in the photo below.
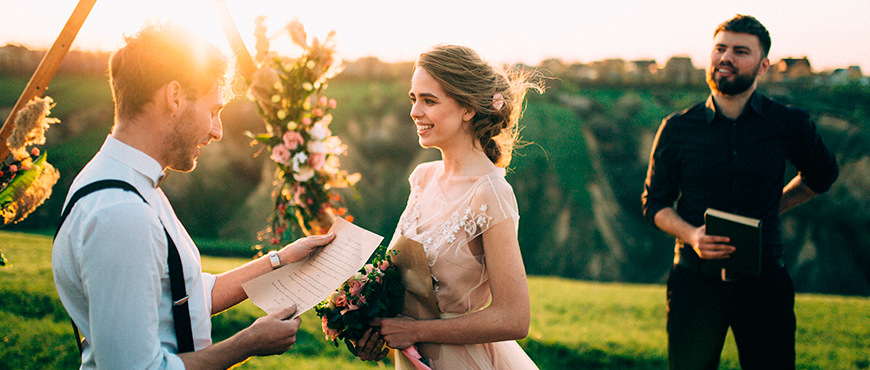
[760,313]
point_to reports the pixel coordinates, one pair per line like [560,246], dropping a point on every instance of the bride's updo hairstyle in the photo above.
[496,95]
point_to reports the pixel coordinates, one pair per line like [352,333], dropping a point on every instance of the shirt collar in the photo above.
[754,104]
[136,159]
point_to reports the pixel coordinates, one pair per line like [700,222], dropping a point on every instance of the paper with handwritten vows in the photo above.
[308,282]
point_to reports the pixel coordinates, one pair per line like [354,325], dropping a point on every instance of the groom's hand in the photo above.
[302,248]
[275,333]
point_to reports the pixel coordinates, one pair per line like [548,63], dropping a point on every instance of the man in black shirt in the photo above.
[730,153]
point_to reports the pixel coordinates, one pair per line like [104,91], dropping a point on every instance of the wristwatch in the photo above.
[273,258]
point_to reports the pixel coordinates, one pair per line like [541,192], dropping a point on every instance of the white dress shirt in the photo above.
[110,267]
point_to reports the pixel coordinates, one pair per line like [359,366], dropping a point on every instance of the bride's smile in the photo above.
[439,118]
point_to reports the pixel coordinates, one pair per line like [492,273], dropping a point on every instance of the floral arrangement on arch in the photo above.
[376,291]
[26,178]
[289,93]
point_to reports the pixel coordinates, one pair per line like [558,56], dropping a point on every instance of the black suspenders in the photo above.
[180,310]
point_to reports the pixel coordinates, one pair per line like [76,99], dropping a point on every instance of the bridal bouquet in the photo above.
[289,93]
[26,178]
[375,291]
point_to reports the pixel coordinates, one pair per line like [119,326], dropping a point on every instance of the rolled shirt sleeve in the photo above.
[813,160]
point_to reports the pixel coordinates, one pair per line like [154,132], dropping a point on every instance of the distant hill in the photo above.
[578,181]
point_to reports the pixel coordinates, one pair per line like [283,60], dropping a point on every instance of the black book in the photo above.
[745,234]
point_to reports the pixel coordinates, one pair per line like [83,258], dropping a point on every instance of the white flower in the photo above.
[305,173]
[333,145]
[319,131]
[316,147]
[326,119]
[299,159]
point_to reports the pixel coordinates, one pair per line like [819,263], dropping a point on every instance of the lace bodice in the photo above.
[445,227]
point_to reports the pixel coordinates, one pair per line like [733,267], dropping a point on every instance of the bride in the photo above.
[464,213]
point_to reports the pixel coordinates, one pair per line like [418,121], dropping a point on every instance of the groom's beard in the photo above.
[739,83]
[181,145]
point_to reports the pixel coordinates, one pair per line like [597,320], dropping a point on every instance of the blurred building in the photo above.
[845,76]
[642,70]
[610,70]
[791,69]
[680,70]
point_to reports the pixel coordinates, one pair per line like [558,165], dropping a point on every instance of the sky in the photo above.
[831,34]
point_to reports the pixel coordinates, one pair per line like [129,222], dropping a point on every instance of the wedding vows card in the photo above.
[308,282]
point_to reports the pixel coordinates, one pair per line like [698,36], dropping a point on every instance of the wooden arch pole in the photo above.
[47,68]
[244,62]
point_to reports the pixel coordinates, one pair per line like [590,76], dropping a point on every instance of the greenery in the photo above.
[578,182]
[574,324]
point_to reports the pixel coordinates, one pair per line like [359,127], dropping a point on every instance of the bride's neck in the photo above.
[475,163]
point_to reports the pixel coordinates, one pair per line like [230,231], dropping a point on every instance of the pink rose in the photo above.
[13,168]
[280,154]
[340,301]
[35,152]
[384,265]
[497,101]
[333,103]
[356,287]
[292,139]
[317,160]
[323,100]
[306,121]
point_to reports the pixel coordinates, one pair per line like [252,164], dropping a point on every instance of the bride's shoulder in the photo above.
[425,170]
[497,182]
[493,187]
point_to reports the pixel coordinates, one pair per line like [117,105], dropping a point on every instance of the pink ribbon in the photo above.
[414,356]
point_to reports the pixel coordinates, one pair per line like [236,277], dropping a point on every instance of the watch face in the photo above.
[273,257]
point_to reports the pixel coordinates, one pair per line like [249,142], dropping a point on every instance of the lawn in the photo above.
[575,324]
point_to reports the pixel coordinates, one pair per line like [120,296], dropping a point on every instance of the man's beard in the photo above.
[182,145]
[739,84]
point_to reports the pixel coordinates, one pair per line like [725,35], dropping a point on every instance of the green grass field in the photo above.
[575,324]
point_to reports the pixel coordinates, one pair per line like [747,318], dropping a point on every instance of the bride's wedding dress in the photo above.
[445,224]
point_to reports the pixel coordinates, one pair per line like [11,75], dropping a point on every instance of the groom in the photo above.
[121,255]
[730,153]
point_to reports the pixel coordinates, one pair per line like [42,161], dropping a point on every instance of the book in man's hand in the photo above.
[745,234]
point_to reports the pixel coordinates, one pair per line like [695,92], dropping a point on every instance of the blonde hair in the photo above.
[159,54]
[496,95]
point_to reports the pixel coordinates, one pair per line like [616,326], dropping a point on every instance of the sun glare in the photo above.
[396,30]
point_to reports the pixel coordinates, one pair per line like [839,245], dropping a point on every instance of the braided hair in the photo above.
[496,95]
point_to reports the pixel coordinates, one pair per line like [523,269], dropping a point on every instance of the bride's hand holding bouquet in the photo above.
[376,291]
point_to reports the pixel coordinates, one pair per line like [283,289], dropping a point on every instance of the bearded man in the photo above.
[729,153]
[125,268]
